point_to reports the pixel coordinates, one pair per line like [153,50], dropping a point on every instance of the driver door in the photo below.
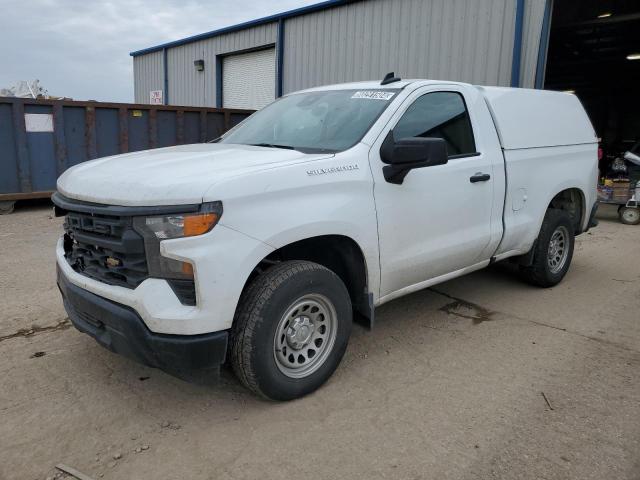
[438,220]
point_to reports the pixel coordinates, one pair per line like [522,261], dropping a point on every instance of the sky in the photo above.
[80,48]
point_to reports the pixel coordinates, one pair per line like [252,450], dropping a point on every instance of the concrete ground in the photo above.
[527,383]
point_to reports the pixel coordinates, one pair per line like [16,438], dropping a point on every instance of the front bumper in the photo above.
[223,259]
[121,330]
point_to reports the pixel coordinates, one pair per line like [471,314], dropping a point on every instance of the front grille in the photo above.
[101,242]
[105,248]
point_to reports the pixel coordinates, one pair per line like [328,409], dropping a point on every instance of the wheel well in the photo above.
[340,254]
[572,201]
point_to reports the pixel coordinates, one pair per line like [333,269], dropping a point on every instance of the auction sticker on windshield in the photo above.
[374,95]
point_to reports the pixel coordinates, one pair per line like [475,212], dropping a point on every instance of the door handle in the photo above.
[479,177]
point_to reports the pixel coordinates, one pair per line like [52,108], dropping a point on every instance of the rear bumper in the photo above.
[120,329]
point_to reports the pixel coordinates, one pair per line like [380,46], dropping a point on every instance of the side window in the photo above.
[439,114]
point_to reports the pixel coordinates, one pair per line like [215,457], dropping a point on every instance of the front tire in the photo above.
[553,250]
[291,330]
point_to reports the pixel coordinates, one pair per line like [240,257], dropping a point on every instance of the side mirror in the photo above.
[406,154]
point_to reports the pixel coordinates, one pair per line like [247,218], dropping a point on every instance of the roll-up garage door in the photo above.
[249,79]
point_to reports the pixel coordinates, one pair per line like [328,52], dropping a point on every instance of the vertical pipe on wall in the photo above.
[280,57]
[541,65]
[517,44]
[165,67]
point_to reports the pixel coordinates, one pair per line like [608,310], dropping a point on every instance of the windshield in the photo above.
[324,121]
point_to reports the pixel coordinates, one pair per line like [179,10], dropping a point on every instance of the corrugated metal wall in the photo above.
[461,40]
[147,75]
[533,16]
[186,84]
[464,40]
[190,87]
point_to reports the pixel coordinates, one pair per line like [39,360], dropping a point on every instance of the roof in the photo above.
[375,85]
[241,26]
[365,85]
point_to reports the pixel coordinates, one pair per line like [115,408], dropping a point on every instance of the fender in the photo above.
[339,253]
[288,204]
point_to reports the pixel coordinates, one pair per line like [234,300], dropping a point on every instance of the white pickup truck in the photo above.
[257,249]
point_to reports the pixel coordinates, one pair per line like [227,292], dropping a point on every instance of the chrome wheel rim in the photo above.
[558,249]
[305,336]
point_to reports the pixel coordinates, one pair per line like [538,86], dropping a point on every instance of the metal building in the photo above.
[489,42]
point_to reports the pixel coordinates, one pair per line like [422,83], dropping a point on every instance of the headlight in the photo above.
[156,228]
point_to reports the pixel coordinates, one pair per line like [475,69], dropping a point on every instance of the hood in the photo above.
[169,176]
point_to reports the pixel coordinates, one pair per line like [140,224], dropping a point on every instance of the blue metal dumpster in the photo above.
[40,139]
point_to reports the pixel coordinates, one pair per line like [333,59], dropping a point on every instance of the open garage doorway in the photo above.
[594,50]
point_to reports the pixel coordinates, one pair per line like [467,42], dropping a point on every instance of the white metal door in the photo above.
[437,221]
[249,79]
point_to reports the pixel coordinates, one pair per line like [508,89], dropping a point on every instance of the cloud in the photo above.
[80,49]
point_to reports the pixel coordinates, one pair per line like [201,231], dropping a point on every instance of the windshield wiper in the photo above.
[272,145]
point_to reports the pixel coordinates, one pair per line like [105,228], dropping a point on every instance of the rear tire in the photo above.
[553,250]
[290,330]
[629,215]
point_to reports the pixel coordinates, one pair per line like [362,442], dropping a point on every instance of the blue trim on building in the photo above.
[241,26]
[165,69]
[218,81]
[280,57]
[544,44]
[517,44]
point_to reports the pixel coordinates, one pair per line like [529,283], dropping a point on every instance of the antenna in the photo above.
[389,78]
